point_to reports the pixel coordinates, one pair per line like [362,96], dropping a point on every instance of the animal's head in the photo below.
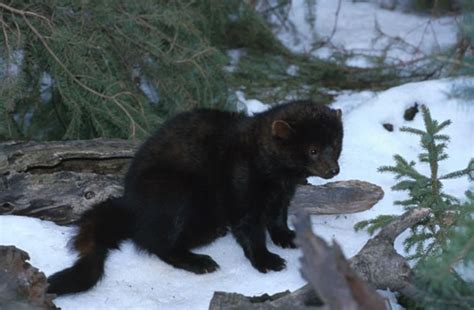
[308,138]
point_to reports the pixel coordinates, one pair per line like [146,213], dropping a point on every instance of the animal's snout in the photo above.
[333,171]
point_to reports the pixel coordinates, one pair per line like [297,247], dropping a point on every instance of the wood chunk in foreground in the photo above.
[22,286]
[329,273]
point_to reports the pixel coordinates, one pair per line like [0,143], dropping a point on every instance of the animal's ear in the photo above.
[339,113]
[281,129]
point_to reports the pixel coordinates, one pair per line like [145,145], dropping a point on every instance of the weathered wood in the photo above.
[329,274]
[58,181]
[97,155]
[22,286]
[336,282]
[379,263]
[332,282]
[336,197]
[301,299]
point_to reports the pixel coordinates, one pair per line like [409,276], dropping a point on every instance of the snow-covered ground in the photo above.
[367,146]
[356,31]
[135,280]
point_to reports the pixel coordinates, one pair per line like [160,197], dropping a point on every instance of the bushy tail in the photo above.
[100,229]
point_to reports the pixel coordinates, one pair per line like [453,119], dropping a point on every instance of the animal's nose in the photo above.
[334,171]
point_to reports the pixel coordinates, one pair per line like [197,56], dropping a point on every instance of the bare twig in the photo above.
[336,19]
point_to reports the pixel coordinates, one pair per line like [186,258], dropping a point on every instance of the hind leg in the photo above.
[173,252]
[170,221]
[197,263]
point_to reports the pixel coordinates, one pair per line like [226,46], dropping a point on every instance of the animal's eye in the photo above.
[313,151]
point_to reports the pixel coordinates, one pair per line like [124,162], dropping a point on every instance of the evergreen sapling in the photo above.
[443,243]
[428,237]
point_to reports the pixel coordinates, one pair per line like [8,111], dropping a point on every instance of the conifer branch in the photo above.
[112,98]
[412,130]
[456,174]
[424,191]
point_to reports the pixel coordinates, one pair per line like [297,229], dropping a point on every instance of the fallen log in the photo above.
[58,181]
[22,286]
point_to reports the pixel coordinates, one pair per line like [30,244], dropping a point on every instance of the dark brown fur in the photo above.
[206,172]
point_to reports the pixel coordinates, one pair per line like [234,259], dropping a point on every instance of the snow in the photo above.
[250,106]
[356,31]
[367,146]
[137,280]
[370,146]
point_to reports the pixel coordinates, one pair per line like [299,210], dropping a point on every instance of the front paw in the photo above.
[268,261]
[284,238]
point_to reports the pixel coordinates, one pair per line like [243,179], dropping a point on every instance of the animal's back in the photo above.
[192,143]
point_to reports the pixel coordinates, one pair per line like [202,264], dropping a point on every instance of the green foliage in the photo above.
[279,77]
[9,88]
[119,68]
[436,277]
[372,226]
[99,55]
[444,241]
[428,237]
[234,24]
[268,71]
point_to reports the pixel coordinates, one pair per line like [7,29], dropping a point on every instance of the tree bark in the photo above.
[58,181]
